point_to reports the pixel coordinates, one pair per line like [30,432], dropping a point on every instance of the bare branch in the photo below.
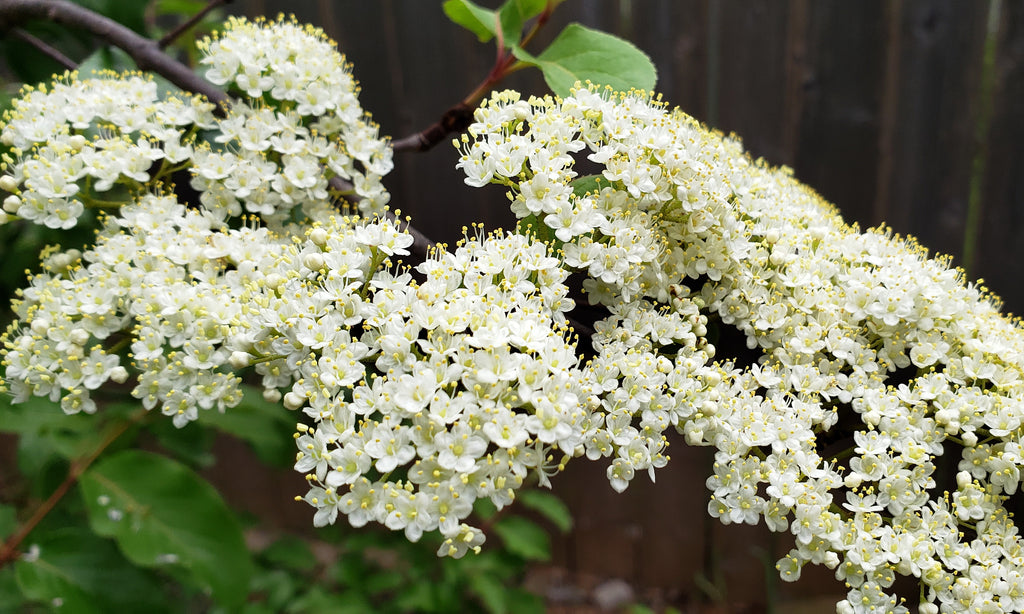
[187,25]
[147,56]
[460,116]
[146,53]
[455,119]
[52,52]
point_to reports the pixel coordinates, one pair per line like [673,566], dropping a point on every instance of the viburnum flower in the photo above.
[692,235]
[833,371]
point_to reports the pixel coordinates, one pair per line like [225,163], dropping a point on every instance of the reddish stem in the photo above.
[9,551]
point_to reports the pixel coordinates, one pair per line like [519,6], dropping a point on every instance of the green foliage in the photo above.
[580,54]
[161,513]
[262,425]
[549,506]
[524,538]
[469,15]
[170,533]
[73,570]
[514,14]
[511,16]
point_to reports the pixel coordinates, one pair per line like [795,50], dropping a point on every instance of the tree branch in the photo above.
[460,116]
[455,119]
[50,51]
[147,56]
[187,25]
[145,52]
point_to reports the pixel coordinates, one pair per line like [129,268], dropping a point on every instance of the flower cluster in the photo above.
[96,143]
[425,388]
[316,122]
[82,138]
[850,337]
[457,388]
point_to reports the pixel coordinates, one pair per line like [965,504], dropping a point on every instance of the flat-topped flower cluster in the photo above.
[855,335]
[426,386]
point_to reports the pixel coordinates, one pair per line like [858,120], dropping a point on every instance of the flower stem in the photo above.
[9,550]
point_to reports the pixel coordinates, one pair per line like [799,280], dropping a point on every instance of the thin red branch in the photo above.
[9,550]
[460,116]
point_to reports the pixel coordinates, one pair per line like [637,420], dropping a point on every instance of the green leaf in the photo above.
[179,7]
[106,58]
[276,588]
[11,599]
[524,538]
[192,444]
[484,509]
[290,552]
[161,513]
[46,435]
[418,597]
[130,14]
[513,14]
[588,183]
[8,520]
[469,15]
[265,426]
[83,573]
[490,591]
[580,54]
[521,601]
[549,506]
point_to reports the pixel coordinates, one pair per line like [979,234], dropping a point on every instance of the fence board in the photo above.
[941,47]
[839,125]
[1001,250]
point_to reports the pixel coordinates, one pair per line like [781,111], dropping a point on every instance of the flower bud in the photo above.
[293,401]
[238,360]
[318,236]
[273,281]
[272,395]
[40,326]
[928,608]
[8,184]
[119,375]
[76,141]
[970,439]
[314,262]
[963,480]
[79,336]
[11,204]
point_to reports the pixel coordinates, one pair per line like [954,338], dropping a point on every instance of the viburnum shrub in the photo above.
[424,386]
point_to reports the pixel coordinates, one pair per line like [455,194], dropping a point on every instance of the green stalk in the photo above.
[981,130]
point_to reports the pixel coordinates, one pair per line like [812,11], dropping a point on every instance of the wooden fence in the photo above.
[906,112]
